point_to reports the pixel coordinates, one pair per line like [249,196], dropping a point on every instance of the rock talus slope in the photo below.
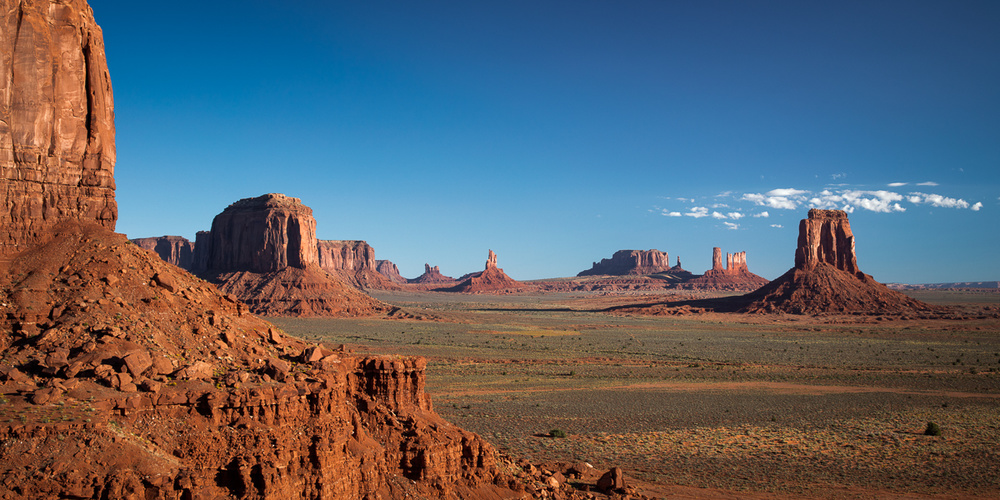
[490,280]
[57,133]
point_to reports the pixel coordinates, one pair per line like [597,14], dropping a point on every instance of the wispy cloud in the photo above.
[777,225]
[731,225]
[936,200]
[897,184]
[928,183]
[762,214]
[671,214]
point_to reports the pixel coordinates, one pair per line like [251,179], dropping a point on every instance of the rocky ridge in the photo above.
[354,262]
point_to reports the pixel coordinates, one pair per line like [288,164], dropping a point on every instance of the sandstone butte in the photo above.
[826,278]
[734,276]
[490,280]
[264,251]
[433,276]
[624,262]
[123,376]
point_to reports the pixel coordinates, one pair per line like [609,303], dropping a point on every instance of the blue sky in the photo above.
[556,133]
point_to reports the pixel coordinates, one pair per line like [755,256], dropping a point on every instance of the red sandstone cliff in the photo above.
[826,278]
[264,251]
[625,262]
[173,249]
[57,132]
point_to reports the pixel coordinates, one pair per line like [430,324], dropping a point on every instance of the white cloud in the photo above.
[762,214]
[671,214]
[720,205]
[928,183]
[779,226]
[837,176]
[897,184]
[735,215]
[717,215]
[732,225]
[785,192]
[697,212]
[775,200]
[977,206]
[936,200]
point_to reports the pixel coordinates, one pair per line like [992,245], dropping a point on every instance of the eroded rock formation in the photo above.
[625,262]
[433,276]
[734,276]
[490,280]
[264,251]
[263,234]
[173,249]
[826,237]
[389,270]
[57,132]
[145,382]
[826,278]
[354,262]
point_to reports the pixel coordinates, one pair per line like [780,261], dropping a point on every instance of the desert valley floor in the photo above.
[711,405]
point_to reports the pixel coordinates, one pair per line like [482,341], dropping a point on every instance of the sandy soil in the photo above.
[713,405]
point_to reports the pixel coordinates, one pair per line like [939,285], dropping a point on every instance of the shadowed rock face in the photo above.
[57,132]
[176,250]
[388,269]
[825,236]
[263,234]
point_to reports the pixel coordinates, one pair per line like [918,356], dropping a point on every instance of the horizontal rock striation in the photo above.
[354,262]
[176,250]
[57,132]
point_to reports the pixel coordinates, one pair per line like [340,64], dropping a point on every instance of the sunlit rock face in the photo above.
[57,132]
[825,236]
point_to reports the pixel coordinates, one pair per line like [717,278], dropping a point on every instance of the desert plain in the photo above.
[710,405]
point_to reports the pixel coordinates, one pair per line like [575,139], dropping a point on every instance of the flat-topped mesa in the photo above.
[57,131]
[626,262]
[176,250]
[263,234]
[825,236]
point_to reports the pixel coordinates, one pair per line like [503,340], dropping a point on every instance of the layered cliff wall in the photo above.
[346,255]
[825,237]
[263,234]
[57,132]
